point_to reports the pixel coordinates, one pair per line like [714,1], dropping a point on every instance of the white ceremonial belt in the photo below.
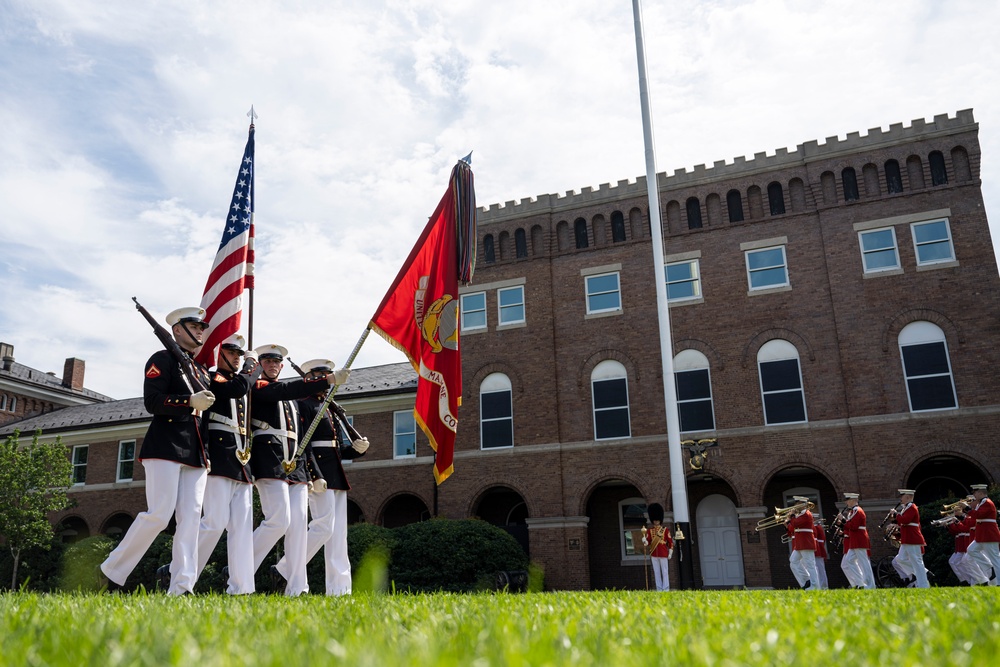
[228,428]
[260,424]
[864,528]
[962,535]
[222,419]
[275,431]
[986,520]
[912,524]
[802,530]
[323,443]
[821,541]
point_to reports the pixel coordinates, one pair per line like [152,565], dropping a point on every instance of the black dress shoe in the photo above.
[225,572]
[806,587]
[277,581]
[163,576]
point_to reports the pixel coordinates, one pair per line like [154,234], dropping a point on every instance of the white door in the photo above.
[719,542]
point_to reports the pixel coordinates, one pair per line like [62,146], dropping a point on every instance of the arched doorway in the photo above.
[403,510]
[505,508]
[944,476]
[117,525]
[354,513]
[720,550]
[73,529]
[615,509]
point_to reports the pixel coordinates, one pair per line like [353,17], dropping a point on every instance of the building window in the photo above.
[734,202]
[126,460]
[580,231]
[496,417]
[603,294]
[781,383]
[694,391]
[473,311]
[932,242]
[520,244]
[766,268]
[893,177]
[631,519]
[489,252]
[609,385]
[683,280]
[80,464]
[617,227]
[12,406]
[510,303]
[939,175]
[404,435]
[849,177]
[926,367]
[694,213]
[878,250]
[3,401]
[776,198]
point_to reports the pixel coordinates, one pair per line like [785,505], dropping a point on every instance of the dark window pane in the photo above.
[520,244]
[931,393]
[939,175]
[784,407]
[488,253]
[611,423]
[734,202]
[692,384]
[696,416]
[498,434]
[778,375]
[617,227]
[694,213]
[850,179]
[610,393]
[580,231]
[925,359]
[495,404]
[776,198]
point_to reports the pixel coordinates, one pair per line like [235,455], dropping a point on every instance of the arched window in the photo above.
[580,230]
[926,367]
[776,198]
[617,227]
[893,177]
[781,383]
[609,391]
[520,244]
[734,202]
[694,391]
[489,253]
[694,213]
[3,401]
[12,405]
[849,177]
[496,417]
[939,175]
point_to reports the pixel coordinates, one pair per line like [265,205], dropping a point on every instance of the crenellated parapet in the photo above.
[806,152]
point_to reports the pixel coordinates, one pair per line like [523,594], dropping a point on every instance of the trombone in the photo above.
[949,514]
[782,515]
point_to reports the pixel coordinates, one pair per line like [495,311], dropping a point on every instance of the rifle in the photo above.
[175,350]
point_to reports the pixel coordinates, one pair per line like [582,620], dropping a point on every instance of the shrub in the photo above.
[81,561]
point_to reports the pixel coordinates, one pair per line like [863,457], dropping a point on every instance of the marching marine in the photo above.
[909,562]
[856,564]
[985,546]
[803,558]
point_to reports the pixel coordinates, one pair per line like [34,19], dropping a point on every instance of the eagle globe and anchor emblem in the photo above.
[438,322]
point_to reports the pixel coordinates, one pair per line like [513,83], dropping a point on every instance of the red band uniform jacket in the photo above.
[984,518]
[856,531]
[820,536]
[660,536]
[909,525]
[801,529]
[175,432]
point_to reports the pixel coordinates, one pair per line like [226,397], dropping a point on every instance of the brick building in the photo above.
[833,314]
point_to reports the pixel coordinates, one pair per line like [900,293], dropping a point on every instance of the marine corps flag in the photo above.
[420,316]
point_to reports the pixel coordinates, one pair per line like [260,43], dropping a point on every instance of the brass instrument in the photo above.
[891,534]
[786,539]
[835,538]
[782,515]
[958,507]
[945,521]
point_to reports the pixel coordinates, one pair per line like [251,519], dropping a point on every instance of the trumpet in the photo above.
[958,507]
[782,515]
[945,521]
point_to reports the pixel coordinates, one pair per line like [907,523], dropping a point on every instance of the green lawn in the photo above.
[940,626]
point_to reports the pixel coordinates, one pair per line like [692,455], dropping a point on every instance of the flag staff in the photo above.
[678,485]
[250,283]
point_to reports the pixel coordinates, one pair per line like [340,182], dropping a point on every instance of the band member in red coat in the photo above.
[909,562]
[964,567]
[985,547]
[819,533]
[856,564]
[662,547]
[803,558]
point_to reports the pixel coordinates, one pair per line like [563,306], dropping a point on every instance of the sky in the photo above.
[124,124]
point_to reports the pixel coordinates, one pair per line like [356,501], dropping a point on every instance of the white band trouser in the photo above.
[858,568]
[285,507]
[910,562]
[328,530]
[229,507]
[803,565]
[172,489]
[987,556]
[661,572]
[823,583]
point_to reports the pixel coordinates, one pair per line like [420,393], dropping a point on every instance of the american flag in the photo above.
[232,271]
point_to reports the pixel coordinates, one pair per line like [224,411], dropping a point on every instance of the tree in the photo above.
[34,480]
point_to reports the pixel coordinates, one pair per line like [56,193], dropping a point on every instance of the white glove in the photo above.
[202,400]
[251,355]
[645,542]
[360,445]
[670,554]
[317,485]
[338,376]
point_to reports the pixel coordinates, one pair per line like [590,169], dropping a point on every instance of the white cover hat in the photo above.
[271,352]
[235,342]
[186,314]
[318,365]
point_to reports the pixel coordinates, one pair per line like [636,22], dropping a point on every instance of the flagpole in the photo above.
[678,485]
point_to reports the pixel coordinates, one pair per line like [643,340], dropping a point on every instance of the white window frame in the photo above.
[780,350]
[624,536]
[607,371]
[617,290]
[468,311]
[866,253]
[77,464]
[750,272]
[3,401]
[496,383]
[922,333]
[396,433]
[12,405]
[501,320]
[917,246]
[121,461]
[696,280]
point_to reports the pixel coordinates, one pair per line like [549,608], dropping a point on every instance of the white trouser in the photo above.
[286,513]
[858,568]
[803,564]
[171,489]
[822,581]
[958,563]
[229,507]
[987,556]
[661,572]
[328,529]
[910,562]
[970,568]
